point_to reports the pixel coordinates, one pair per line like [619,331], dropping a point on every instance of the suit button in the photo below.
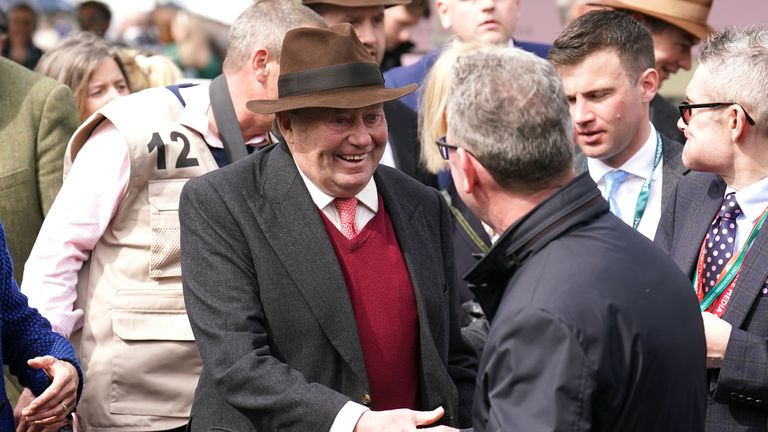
[750,400]
[733,396]
[366,399]
[758,402]
[742,398]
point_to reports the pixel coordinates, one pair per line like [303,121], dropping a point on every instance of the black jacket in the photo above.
[592,327]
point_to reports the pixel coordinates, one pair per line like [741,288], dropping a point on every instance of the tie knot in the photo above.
[730,209]
[614,179]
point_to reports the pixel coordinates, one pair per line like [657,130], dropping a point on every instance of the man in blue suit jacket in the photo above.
[487,22]
[53,372]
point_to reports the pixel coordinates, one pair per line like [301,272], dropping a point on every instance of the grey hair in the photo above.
[508,108]
[738,57]
[264,25]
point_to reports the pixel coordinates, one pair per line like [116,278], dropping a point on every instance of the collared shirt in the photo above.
[639,167]
[83,210]
[753,201]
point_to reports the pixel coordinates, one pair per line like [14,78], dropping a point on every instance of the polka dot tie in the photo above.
[347,208]
[614,179]
[720,238]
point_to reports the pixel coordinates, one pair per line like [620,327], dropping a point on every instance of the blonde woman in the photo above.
[470,236]
[90,66]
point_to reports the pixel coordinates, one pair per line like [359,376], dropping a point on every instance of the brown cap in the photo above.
[689,15]
[327,68]
[356,3]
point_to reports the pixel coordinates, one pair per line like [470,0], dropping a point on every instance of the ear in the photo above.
[649,83]
[259,61]
[443,8]
[285,124]
[468,166]
[737,122]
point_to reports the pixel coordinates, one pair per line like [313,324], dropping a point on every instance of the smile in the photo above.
[353,158]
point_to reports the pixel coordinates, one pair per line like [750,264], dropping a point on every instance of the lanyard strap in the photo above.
[732,268]
[645,191]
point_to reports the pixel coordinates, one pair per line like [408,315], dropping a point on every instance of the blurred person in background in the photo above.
[486,21]
[191,48]
[22,22]
[569,10]
[675,26]
[90,66]
[399,20]
[94,17]
[147,70]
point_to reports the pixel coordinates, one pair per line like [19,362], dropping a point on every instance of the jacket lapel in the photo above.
[672,169]
[296,232]
[695,222]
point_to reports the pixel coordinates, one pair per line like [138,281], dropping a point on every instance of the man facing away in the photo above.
[713,227]
[605,59]
[332,306]
[106,268]
[675,26]
[592,327]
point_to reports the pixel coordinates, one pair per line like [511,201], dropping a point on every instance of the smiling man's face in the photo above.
[489,21]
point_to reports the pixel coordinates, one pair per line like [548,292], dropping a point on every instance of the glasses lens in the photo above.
[685,112]
[442,147]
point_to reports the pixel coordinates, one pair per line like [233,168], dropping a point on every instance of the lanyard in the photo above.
[727,279]
[645,191]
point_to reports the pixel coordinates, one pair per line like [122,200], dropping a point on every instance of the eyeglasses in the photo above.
[443,146]
[686,108]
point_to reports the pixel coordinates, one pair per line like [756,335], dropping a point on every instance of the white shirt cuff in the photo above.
[347,418]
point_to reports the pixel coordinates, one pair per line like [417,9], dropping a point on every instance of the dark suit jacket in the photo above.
[415,73]
[672,169]
[37,117]
[664,117]
[269,306]
[403,129]
[592,327]
[739,389]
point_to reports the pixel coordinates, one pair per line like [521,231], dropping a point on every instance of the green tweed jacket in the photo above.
[37,117]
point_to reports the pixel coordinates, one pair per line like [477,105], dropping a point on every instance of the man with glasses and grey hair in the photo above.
[592,327]
[713,225]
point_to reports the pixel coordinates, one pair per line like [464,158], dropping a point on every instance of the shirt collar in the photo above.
[368,196]
[195,115]
[752,199]
[639,165]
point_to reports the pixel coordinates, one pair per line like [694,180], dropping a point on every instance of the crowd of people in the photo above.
[296,232]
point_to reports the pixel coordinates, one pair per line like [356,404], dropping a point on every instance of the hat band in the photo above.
[329,78]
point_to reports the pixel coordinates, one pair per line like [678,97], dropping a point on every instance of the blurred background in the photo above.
[154,26]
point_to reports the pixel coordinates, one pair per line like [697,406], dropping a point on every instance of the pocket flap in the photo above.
[164,194]
[152,325]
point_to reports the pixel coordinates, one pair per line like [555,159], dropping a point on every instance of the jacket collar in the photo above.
[573,205]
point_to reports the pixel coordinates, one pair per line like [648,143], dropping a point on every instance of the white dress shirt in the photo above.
[753,201]
[639,168]
[83,209]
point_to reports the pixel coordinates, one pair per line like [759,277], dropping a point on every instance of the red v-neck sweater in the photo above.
[384,305]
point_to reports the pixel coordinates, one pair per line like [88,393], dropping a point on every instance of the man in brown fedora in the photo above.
[319,283]
[676,26]
[367,19]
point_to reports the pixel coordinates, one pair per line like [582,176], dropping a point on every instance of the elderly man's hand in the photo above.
[399,420]
[59,399]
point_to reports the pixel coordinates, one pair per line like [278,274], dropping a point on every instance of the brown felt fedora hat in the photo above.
[689,15]
[327,68]
[356,3]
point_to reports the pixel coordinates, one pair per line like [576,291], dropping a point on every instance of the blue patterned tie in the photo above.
[720,240]
[614,179]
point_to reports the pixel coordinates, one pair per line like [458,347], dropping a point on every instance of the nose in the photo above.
[581,111]
[486,5]
[112,94]
[681,125]
[685,60]
[404,35]
[360,135]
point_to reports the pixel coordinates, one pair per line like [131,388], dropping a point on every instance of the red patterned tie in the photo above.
[347,208]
